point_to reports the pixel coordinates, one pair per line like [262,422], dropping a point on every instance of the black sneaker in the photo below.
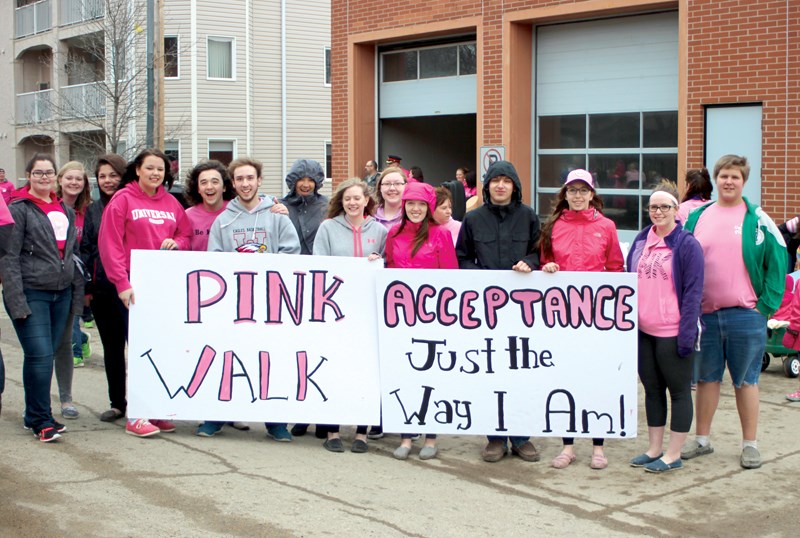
[60,428]
[375,432]
[47,434]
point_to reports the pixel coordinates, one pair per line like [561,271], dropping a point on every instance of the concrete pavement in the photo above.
[97,481]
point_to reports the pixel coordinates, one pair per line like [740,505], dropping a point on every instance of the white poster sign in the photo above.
[505,353]
[253,337]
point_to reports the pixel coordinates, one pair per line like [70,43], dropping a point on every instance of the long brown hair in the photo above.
[424,230]
[336,206]
[560,204]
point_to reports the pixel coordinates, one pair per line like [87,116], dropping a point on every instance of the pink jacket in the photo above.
[585,241]
[437,252]
[134,220]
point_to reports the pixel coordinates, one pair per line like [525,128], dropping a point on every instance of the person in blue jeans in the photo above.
[485,242]
[270,232]
[40,284]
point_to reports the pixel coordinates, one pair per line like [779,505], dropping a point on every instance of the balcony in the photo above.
[82,101]
[35,107]
[33,18]
[75,11]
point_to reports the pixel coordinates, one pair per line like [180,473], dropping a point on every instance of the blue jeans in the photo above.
[735,337]
[39,334]
[78,338]
[515,441]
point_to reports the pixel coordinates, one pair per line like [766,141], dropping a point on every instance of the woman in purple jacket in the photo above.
[669,263]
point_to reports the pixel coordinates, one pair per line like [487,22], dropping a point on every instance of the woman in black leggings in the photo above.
[669,265]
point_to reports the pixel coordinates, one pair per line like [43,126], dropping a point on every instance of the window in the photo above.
[627,153]
[328,160]
[429,62]
[327,66]
[221,58]
[171,57]
[222,150]
[172,149]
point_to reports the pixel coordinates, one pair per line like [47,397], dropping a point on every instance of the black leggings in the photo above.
[571,441]
[661,369]
[334,428]
[111,318]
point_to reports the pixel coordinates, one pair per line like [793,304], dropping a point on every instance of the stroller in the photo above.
[783,330]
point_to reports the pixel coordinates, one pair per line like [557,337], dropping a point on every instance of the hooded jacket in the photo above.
[90,253]
[687,275]
[336,237]
[435,253]
[585,241]
[306,212]
[33,259]
[764,254]
[240,230]
[134,220]
[497,237]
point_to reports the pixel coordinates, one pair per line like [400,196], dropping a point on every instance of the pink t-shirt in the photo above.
[687,207]
[659,311]
[202,220]
[727,283]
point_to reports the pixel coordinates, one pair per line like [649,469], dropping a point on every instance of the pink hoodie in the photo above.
[437,252]
[134,220]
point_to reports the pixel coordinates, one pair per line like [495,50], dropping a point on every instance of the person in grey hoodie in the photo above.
[306,206]
[249,225]
[351,231]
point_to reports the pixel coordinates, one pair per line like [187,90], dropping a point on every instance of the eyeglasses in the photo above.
[583,192]
[39,174]
[395,184]
[663,208]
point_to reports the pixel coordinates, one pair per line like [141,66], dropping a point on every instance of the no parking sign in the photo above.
[489,155]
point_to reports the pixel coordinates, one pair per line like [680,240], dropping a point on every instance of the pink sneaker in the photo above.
[164,425]
[794,397]
[141,428]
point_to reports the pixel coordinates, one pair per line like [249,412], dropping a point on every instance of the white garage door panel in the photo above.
[429,97]
[632,63]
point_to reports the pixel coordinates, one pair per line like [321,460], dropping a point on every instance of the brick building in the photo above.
[634,90]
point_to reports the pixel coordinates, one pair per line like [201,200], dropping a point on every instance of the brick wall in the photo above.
[738,52]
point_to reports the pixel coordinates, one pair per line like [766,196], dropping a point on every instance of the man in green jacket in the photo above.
[745,270]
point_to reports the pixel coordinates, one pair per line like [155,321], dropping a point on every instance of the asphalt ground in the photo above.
[97,481]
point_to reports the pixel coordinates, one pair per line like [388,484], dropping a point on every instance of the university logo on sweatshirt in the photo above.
[155,216]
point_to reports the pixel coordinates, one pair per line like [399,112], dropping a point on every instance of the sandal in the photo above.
[599,461]
[563,460]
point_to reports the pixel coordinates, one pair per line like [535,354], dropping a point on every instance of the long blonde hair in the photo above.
[85,196]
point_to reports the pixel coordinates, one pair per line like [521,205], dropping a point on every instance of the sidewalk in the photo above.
[97,481]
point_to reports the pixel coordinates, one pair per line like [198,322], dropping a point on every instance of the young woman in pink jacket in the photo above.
[142,214]
[577,237]
[417,242]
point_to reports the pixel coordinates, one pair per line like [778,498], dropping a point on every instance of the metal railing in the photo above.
[35,107]
[82,101]
[74,11]
[33,18]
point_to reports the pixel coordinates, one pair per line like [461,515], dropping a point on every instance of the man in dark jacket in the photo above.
[501,234]
[307,208]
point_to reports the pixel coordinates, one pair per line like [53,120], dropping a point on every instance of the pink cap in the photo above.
[422,192]
[580,174]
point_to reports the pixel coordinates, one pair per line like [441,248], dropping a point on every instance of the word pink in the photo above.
[277,296]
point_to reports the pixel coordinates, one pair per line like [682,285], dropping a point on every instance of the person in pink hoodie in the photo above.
[577,237]
[417,242]
[208,190]
[142,214]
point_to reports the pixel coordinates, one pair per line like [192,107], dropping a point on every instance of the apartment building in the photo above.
[252,79]
[632,90]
